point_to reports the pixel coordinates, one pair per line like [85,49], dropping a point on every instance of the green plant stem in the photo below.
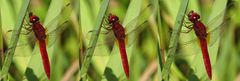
[93,40]
[174,39]
[159,48]
[14,40]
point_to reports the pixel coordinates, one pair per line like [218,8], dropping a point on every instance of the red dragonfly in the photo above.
[202,34]
[112,23]
[40,34]
[119,33]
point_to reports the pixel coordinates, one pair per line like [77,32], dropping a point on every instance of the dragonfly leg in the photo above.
[106,24]
[28,28]
[26,33]
[105,20]
[187,31]
[186,21]
[185,24]
[107,27]
[189,27]
[106,32]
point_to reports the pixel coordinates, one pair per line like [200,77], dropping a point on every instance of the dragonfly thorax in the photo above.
[193,16]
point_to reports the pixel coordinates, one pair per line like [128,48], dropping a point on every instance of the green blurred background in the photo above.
[146,54]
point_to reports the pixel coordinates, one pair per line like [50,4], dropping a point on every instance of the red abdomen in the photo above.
[200,31]
[119,33]
[206,58]
[124,57]
[44,54]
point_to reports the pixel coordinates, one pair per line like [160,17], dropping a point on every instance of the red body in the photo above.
[40,34]
[201,33]
[119,33]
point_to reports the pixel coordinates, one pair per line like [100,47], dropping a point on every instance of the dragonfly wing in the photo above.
[213,36]
[25,45]
[53,35]
[136,25]
[106,40]
[55,26]
[140,19]
[215,27]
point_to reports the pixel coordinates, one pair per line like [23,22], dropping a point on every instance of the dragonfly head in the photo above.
[33,18]
[193,16]
[112,18]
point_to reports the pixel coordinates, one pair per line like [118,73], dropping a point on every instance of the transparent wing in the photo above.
[105,42]
[26,40]
[140,19]
[215,26]
[137,24]
[53,35]
[25,43]
[56,25]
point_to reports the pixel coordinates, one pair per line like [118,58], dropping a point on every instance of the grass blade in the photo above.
[1,45]
[174,39]
[160,48]
[93,40]
[14,40]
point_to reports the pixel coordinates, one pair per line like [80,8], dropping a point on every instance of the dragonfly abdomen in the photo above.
[206,58]
[44,54]
[124,57]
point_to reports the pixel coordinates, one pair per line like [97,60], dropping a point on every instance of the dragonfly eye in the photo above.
[115,19]
[194,17]
[112,18]
[34,19]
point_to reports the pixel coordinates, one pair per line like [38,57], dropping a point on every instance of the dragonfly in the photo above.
[41,35]
[204,37]
[122,35]
[44,37]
